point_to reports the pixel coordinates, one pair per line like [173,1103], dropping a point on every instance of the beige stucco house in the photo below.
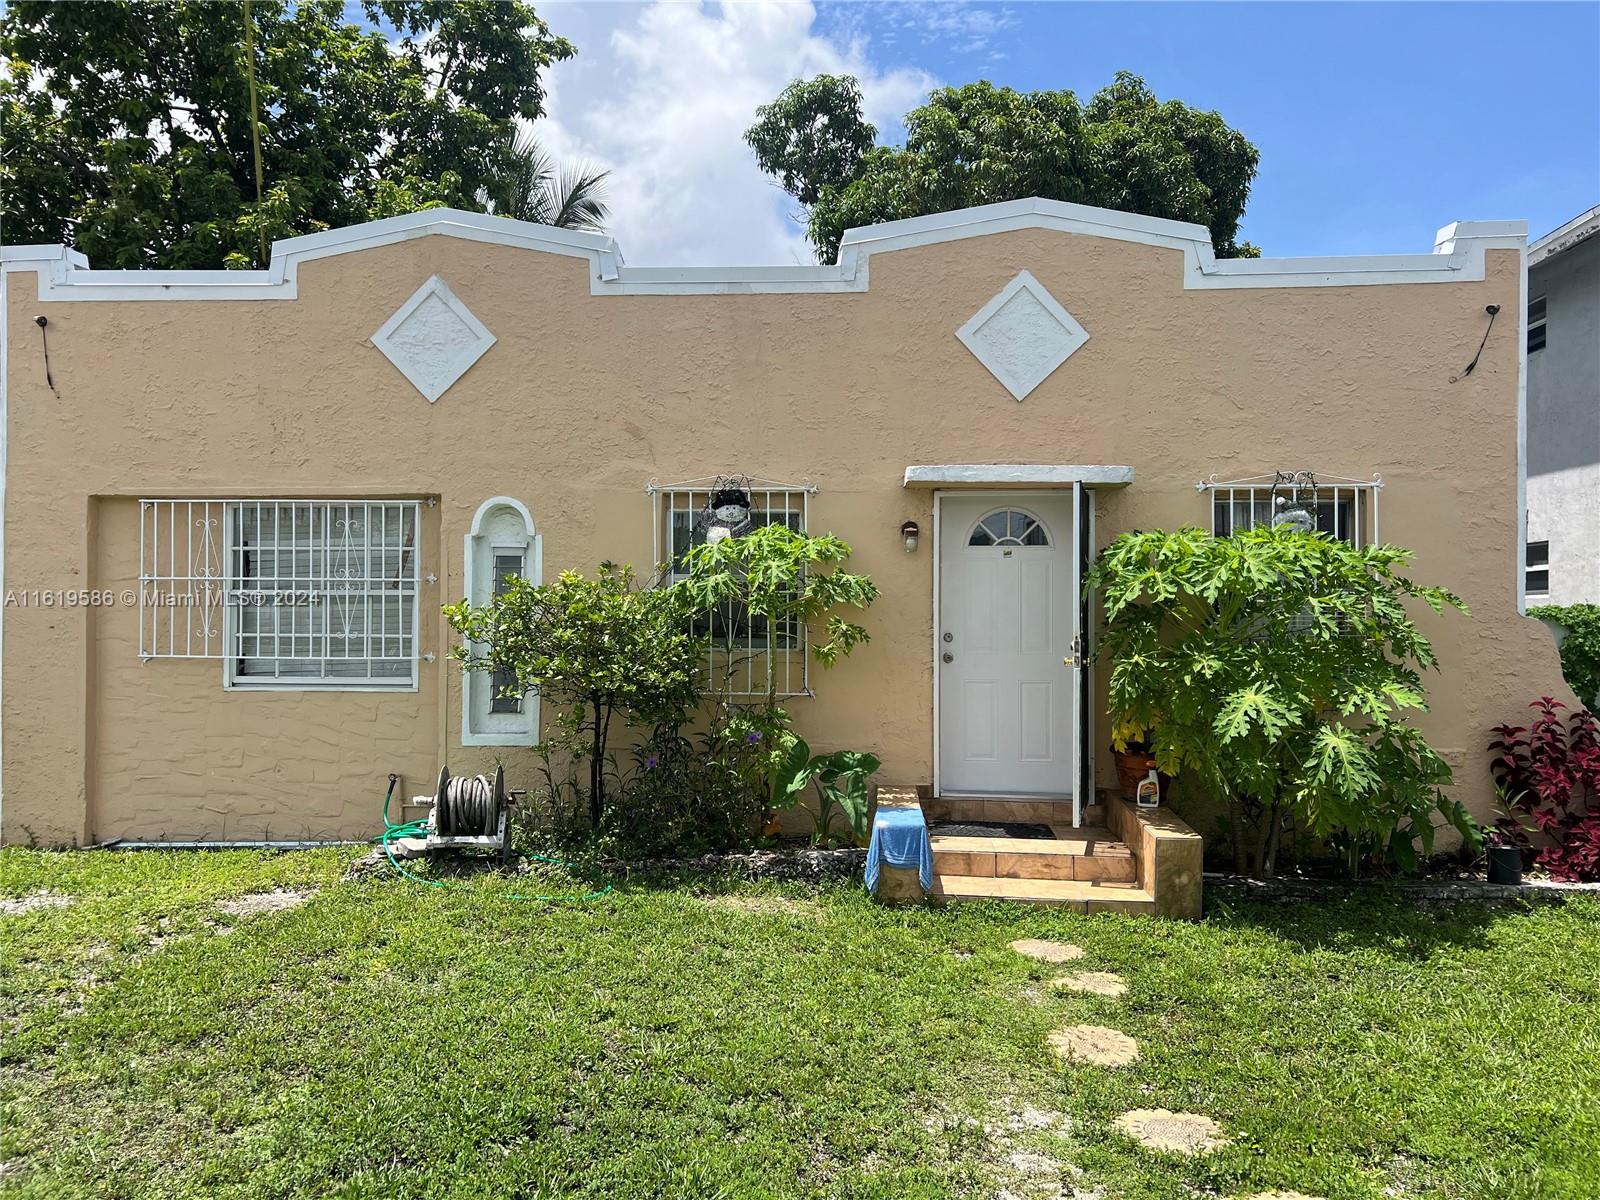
[234,501]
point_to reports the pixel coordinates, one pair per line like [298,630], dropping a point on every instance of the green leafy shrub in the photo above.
[841,780]
[592,649]
[679,797]
[1580,648]
[700,774]
[1278,668]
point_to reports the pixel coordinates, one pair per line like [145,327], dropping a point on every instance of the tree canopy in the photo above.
[981,144]
[128,122]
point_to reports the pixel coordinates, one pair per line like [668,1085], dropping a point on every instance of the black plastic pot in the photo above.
[1505,864]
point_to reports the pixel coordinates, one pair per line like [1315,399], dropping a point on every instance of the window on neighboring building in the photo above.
[1536,573]
[1536,324]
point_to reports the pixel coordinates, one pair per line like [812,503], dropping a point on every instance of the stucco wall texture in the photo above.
[585,399]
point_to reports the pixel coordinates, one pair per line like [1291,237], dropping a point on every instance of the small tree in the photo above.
[597,647]
[1279,668]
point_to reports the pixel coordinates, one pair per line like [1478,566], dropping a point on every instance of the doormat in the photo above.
[994,829]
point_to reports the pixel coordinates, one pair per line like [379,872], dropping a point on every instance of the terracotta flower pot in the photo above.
[1131,770]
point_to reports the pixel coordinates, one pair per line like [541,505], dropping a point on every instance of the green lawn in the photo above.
[388,1039]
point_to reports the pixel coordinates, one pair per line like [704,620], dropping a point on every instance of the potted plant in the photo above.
[1135,761]
[1504,857]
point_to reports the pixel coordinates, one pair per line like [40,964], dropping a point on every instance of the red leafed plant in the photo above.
[1549,773]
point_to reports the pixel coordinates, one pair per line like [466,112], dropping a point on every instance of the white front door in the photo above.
[1007,615]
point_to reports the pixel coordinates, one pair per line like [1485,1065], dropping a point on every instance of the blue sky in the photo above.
[1377,122]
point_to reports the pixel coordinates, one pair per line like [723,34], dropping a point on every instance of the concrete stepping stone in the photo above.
[1094,1044]
[1047,951]
[1096,983]
[1172,1132]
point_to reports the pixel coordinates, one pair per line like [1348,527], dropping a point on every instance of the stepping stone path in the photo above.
[1094,1044]
[1175,1133]
[1097,983]
[1046,951]
[1283,1196]
[1154,1128]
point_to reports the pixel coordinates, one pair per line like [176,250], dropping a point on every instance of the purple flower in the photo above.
[651,762]
[751,738]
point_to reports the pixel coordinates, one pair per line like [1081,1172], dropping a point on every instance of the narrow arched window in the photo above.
[502,545]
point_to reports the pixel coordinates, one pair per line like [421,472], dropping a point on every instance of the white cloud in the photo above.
[661,94]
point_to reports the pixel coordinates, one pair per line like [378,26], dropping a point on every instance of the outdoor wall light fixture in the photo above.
[909,531]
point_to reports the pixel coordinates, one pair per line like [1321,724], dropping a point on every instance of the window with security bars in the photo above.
[753,655]
[288,593]
[1346,509]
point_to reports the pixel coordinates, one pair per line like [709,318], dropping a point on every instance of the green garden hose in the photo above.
[420,829]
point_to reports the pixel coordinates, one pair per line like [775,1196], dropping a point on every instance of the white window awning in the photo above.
[1016,475]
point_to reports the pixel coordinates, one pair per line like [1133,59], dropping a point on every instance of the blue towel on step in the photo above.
[899,839]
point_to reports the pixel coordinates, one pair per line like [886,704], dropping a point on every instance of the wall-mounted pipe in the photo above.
[266,844]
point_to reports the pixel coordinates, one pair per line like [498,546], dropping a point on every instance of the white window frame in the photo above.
[765,666]
[1541,323]
[480,724]
[1257,489]
[192,590]
[1531,593]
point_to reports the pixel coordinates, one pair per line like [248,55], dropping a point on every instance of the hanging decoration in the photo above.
[1295,500]
[728,509]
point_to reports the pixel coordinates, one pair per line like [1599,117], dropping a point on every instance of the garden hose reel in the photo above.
[469,812]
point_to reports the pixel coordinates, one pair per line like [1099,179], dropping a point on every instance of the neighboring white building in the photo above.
[1563,546]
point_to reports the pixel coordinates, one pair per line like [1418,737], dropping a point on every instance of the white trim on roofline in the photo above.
[64,274]
[1580,229]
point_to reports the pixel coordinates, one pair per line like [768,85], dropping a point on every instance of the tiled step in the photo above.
[1029,810]
[1060,893]
[1084,855]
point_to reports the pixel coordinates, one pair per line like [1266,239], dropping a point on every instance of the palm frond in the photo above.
[532,188]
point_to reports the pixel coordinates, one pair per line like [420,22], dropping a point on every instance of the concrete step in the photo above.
[1086,855]
[1027,810]
[1060,893]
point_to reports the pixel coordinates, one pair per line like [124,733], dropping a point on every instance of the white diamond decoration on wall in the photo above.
[1022,335]
[433,339]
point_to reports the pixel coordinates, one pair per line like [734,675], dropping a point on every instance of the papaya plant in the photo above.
[1280,670]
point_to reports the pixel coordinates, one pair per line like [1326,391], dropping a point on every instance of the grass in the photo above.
[387,1039]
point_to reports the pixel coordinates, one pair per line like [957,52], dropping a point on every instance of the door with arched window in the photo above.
[1007,617]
